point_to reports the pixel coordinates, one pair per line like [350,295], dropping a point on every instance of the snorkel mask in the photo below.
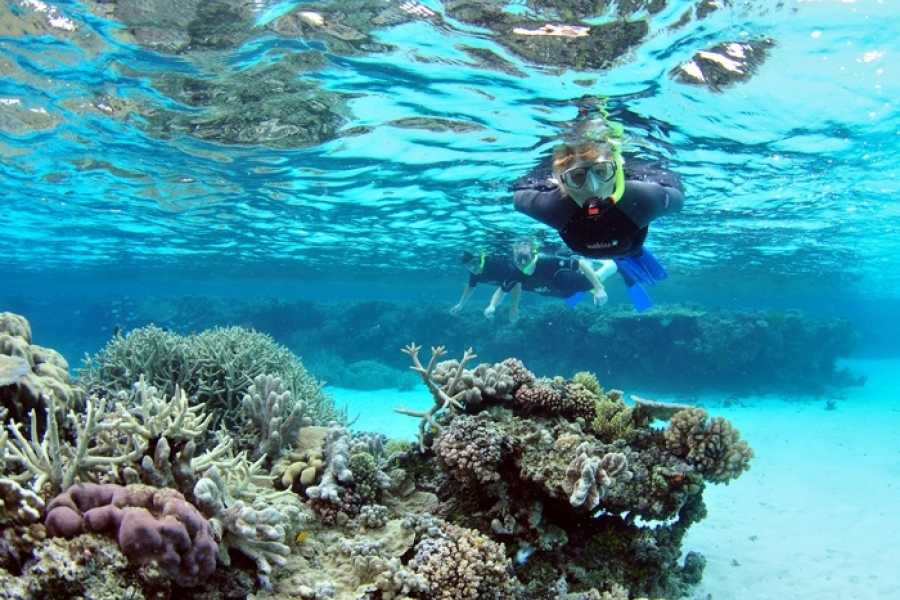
[600,130]
[525,256]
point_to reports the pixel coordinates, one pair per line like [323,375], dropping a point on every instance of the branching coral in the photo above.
[48,460]
[443,400]
[253,519]
[217,367]
[274,414]
[713,446]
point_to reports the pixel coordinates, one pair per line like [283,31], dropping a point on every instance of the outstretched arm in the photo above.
[467,293]
[645,202]
[548,206]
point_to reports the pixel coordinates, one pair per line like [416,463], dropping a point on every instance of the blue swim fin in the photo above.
[575,298]
[641,268]
[639,297]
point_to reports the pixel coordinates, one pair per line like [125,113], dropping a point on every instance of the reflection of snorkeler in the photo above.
[600,208]
[566,277]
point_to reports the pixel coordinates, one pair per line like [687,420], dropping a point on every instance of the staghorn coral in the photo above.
[713,446]
[150,525]
[588,475]
[274,415]
[443,400]
[52,462]
[216,367]
[470,450]
[146,413]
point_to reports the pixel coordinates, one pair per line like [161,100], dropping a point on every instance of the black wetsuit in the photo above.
[498,271]
[555,276]
[601,228]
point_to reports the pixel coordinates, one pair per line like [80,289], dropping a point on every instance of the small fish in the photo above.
[301,537]
[523,555]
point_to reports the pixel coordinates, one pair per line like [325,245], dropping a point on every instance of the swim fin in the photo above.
[639,297]
[573,300]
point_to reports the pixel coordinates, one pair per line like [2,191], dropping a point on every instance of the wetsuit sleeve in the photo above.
[547,206]
[643,202]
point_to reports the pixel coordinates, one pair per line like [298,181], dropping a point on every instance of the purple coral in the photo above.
[149,524]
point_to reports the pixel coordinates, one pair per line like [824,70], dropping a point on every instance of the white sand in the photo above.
[817,516]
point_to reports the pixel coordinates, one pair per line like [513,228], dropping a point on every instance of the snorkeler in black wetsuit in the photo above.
[548,275]
[487,268]
[600,208]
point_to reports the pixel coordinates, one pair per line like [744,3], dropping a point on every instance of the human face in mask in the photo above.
[589,179]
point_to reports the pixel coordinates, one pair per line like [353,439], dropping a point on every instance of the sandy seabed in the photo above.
[817,517]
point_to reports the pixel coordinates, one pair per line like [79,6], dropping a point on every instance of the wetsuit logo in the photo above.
[602,245]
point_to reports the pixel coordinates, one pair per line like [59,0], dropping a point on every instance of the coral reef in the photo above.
[519,486]
[153,525]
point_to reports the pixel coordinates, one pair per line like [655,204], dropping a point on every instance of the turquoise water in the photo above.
[196,163]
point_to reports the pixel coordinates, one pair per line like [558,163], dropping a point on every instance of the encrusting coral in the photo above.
[150,525]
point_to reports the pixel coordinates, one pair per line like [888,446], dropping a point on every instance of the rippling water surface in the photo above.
[379,134]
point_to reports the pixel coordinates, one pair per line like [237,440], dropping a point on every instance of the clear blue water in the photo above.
[232,150]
